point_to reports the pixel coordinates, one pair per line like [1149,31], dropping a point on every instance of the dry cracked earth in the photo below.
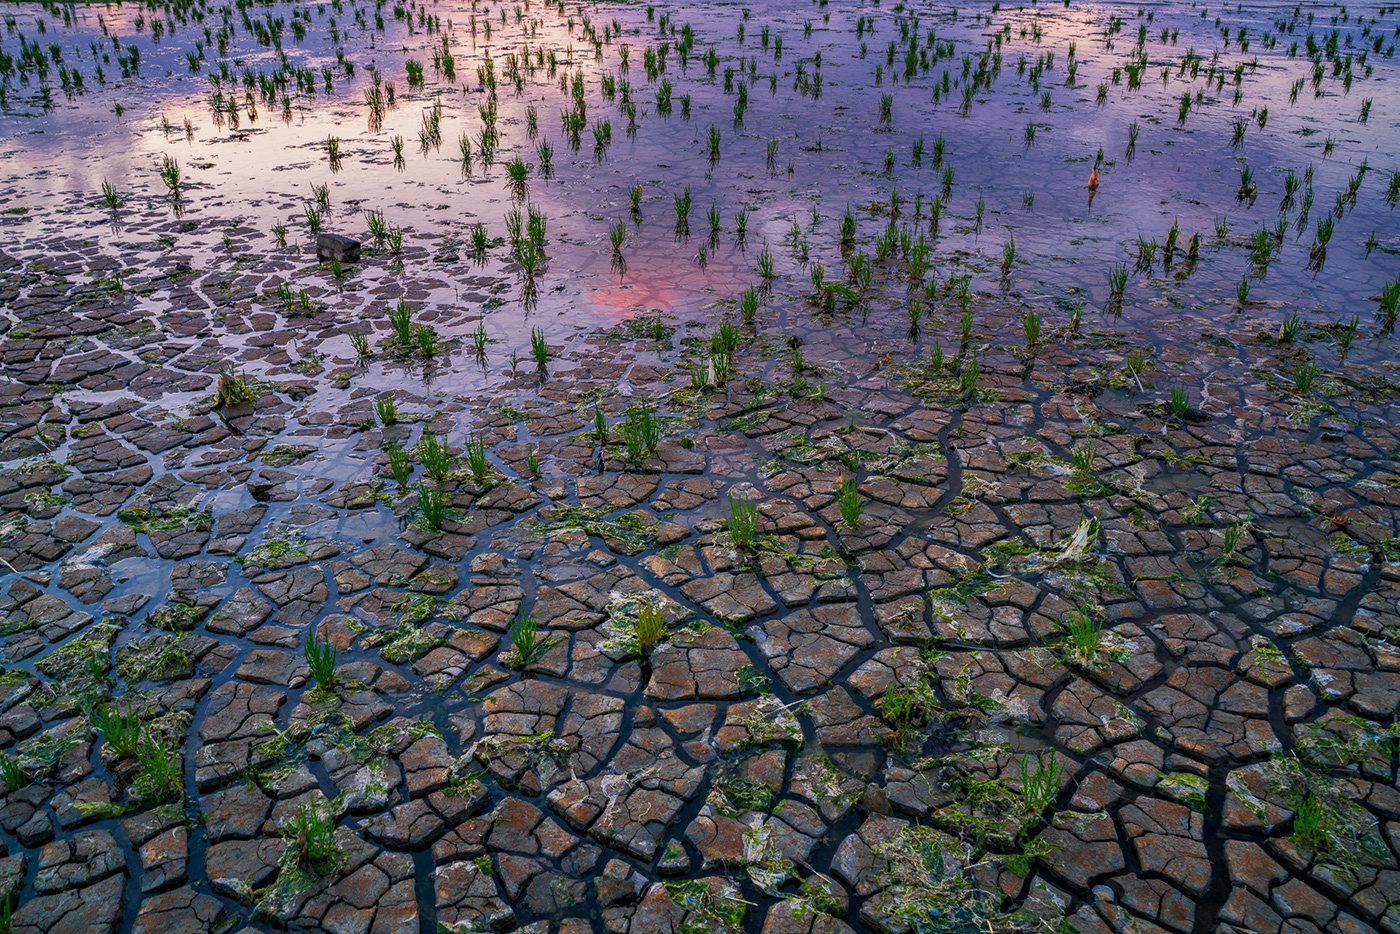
[882,725]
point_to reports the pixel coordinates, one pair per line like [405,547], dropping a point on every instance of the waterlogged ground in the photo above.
[1065,393]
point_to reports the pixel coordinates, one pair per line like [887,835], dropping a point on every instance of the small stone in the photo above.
[338,247]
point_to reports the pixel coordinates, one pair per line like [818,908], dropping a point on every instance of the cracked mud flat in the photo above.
[1021,642]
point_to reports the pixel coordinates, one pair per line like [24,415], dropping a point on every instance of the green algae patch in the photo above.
[634,530]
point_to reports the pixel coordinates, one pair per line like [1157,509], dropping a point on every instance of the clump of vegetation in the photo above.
[13,774]
[233,390]
[170,174]
[714,906]
[742,795]
[539,348]
[435,457]
[165,518]
[742,522]
[432,509]
[177,617]
[321,657]
[1082,458]
[1082,636]
[1230,543]
[1390,302]
[641,431]
[906,708]
[929,884]
[1310,822]
[649,627]
[682,206]
[1040,785]
[121,730]
[849,502]
[527,647]
[110,195]
[311,837]
[1180,404]
[630,533]
[748,305]
[400,465]
[477,463]
[401,326]
[600,425]
[518,174]
[162,774]
[1030,325]
[387,410]
[1117,280]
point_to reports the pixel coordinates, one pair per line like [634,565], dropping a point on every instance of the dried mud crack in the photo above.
[613,575]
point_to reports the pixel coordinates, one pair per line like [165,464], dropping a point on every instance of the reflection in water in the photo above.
[338,91]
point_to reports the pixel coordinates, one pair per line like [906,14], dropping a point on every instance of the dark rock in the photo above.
[338,247]
[95,909]
[183,911]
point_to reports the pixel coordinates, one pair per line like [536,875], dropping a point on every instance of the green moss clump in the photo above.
[713,908]
[177,617]
[166,519]
[633,530]
[409,643]
[741,796]
[284,454]
[153,659]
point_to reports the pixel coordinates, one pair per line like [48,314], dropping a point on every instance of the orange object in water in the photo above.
[1093,178]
